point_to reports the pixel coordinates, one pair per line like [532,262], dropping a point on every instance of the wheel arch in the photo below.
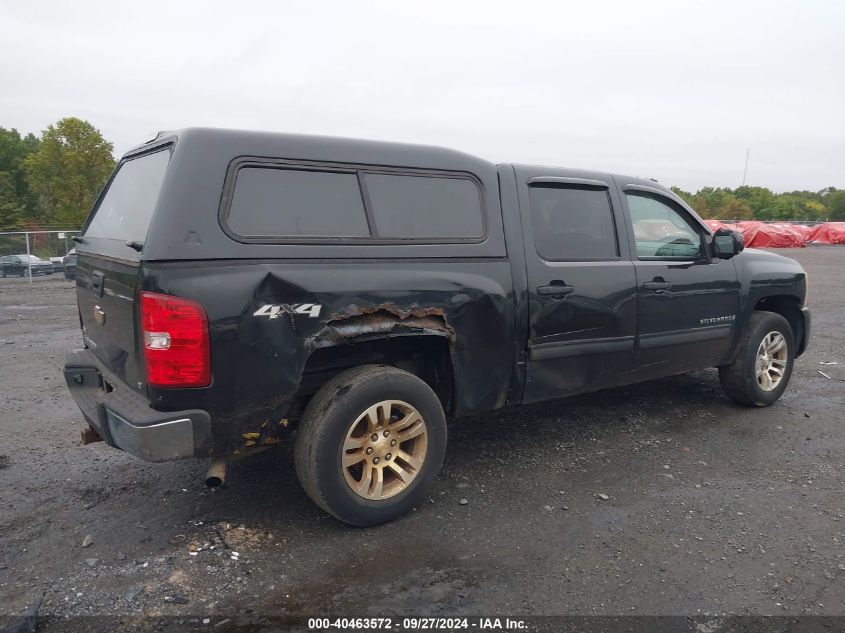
[422,345]
[789,307]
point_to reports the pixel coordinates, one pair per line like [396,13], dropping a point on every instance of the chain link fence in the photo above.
[809,223]
[34,255]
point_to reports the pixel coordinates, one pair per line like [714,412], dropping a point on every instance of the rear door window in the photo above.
[573,223]
[269,202]
[417,207]
[126,209]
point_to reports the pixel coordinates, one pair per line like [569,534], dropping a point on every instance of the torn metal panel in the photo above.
[392,309]
[385,319]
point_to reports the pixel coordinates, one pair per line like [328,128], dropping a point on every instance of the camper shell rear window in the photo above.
[125,209]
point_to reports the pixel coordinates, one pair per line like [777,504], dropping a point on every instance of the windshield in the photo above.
[127,208]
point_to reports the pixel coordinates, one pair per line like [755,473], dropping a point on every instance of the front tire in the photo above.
[763,364]
[370,444]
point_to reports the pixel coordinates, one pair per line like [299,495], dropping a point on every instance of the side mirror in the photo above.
[727,243]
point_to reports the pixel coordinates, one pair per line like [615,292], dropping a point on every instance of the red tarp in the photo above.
[783,234]
[762,235]
[804,231]
[828,233]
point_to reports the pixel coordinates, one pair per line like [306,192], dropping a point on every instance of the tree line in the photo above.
[759,203]
[51,181]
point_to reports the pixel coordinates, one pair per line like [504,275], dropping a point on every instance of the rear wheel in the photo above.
[763,364]
[370,444]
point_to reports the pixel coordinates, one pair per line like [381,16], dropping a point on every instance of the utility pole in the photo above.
[745,173]
[28,259]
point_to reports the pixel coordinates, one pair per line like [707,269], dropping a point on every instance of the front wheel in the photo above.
[763,364]
[370,444]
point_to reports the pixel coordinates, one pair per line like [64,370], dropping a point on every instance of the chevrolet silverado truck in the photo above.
[241,289]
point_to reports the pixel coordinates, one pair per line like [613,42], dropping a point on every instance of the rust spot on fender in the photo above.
[386,318]
[391,309]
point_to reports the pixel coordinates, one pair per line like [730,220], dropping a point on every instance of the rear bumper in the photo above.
[125,420]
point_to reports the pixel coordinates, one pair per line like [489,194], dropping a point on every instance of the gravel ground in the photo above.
[661,498]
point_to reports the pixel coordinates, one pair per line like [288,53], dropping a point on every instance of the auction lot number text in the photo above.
[417,624]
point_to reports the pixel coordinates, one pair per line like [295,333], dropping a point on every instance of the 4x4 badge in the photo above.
[274,311]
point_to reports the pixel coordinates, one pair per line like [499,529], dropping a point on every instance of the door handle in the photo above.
[555,289]
[657,286]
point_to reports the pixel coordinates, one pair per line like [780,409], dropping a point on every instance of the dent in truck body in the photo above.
[258,363]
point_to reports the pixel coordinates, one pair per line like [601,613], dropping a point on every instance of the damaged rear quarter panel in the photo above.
[257,361]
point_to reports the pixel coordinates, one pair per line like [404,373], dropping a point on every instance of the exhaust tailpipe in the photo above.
[216,475]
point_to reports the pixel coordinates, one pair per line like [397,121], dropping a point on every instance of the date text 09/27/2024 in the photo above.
[417,624]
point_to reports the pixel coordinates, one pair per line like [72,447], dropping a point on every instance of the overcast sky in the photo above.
[671,90]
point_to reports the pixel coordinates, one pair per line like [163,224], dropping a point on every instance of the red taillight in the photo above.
[175,338]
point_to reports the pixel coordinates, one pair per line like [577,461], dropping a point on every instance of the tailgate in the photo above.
[109,267]
[106,292]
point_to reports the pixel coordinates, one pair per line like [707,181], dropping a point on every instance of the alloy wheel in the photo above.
[384,450]
[770,365]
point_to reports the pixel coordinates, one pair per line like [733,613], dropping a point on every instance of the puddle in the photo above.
[397,581]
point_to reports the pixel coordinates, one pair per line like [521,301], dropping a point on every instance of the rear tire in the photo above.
[763,364]
[354,477]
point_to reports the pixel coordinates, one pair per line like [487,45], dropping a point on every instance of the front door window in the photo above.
[660,230]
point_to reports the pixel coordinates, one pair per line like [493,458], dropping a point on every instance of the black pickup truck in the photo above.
[236,289]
